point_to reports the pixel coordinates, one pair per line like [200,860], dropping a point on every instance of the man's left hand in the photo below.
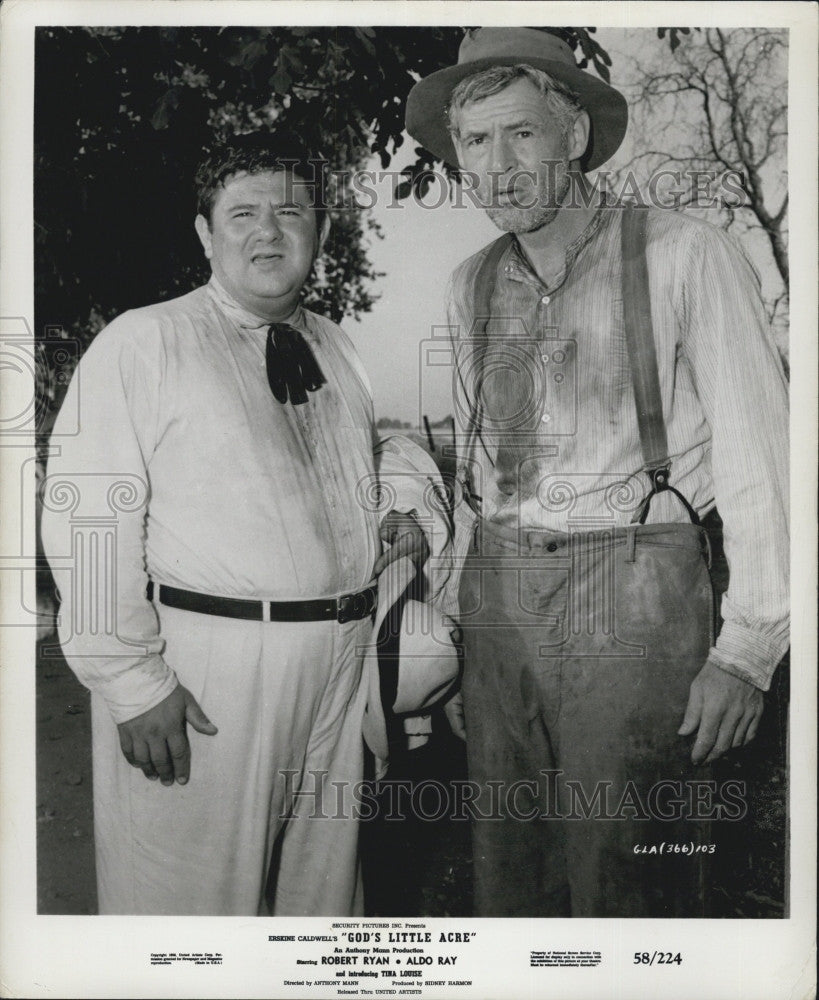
[405,537]
[726,709]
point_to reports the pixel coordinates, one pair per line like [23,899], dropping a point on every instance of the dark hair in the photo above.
[255,153]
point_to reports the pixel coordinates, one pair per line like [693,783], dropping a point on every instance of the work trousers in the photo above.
[579,652]
[259,829]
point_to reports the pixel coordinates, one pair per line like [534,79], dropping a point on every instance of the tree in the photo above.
[122,116]
[719,106]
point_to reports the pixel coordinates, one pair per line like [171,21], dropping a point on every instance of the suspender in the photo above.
[483,287]
[642,356]
[641,351]
[640,341]
[485,283]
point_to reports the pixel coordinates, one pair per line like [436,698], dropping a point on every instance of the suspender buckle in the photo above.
[659,483]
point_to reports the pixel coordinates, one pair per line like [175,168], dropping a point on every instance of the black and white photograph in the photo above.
[407,455]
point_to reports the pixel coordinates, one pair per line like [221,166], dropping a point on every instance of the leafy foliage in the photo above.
[673,35]
[122,116]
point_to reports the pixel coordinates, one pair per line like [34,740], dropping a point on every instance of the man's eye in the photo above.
[525,133]
[476,140]
[242,214]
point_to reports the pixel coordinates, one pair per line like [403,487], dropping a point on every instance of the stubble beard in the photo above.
[510,219]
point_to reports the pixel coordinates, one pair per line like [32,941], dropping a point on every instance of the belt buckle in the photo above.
[352,607]
[344,612]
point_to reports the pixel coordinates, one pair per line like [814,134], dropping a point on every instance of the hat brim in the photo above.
[426,118]
[418,659]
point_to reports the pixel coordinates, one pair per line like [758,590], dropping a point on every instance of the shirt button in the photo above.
[545,299]
[545,418]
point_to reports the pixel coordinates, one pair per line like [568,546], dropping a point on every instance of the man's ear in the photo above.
[323,234]
[578,138]
[203,232]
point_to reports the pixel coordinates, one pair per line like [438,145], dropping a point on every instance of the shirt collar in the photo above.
[518,267]
[243,318]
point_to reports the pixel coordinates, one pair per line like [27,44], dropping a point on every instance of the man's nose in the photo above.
[268,225]
[502,157]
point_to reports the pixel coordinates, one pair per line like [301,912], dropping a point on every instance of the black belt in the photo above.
[350,607]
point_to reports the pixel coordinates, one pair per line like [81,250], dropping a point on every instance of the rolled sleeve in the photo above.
[742,388]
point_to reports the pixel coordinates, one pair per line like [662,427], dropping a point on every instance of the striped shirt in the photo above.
[561,444]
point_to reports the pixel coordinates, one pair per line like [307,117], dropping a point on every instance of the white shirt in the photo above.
[222,489]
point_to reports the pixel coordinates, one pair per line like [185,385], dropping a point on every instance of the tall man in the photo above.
[588,633]
[222,564]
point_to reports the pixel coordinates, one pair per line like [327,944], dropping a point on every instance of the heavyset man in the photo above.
[589,653]
[223,564]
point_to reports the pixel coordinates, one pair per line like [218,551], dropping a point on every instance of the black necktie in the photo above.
[291,368]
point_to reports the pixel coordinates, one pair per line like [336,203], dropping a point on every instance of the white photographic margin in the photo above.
[48,956]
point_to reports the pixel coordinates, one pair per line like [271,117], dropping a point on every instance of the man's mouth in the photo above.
[512,197]
[266,257]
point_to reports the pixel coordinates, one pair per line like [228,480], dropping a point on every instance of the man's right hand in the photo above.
[156,741]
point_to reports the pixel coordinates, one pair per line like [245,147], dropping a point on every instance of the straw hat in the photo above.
[483,48]
[412,663]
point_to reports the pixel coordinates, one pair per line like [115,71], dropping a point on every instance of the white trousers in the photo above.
[265,824]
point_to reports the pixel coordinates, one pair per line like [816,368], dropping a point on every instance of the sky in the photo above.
[421,247]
